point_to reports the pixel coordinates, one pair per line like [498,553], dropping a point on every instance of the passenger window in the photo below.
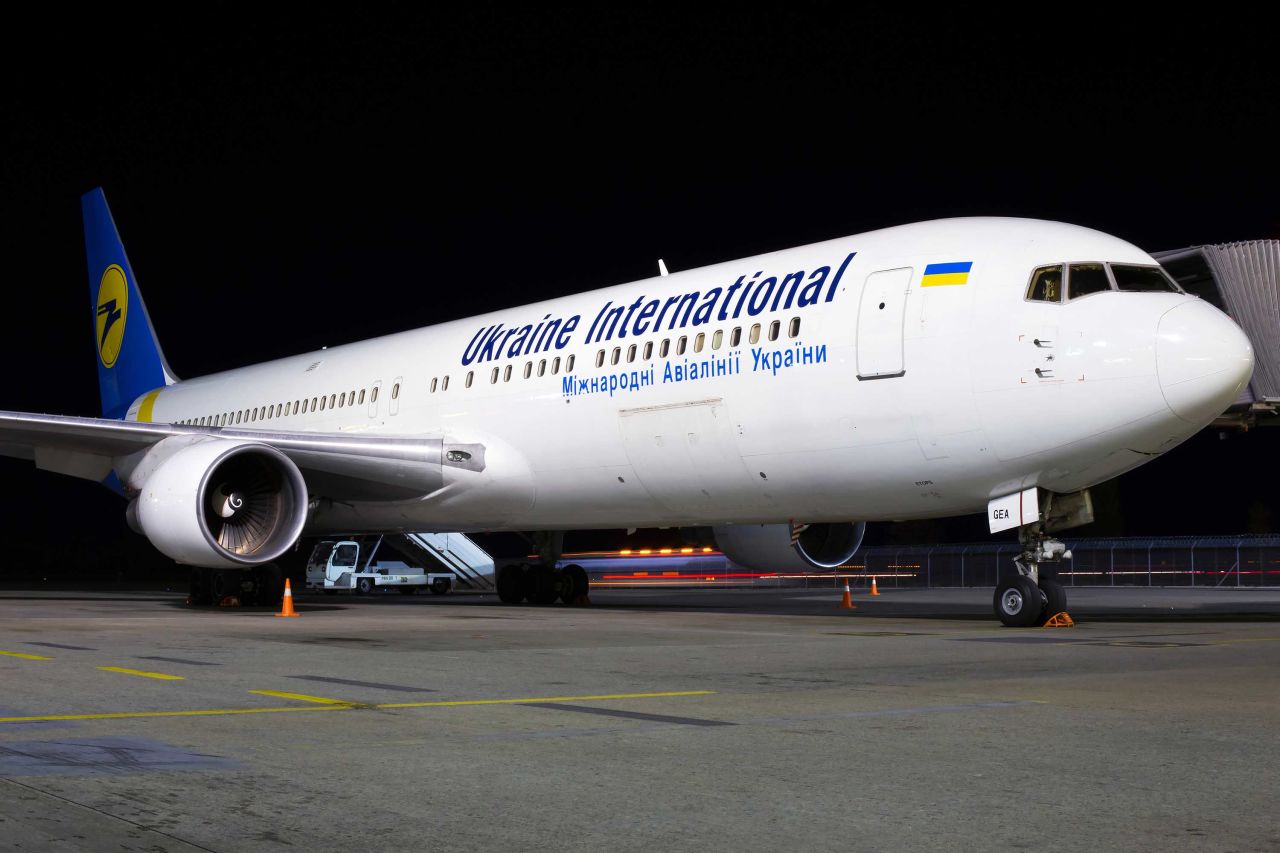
[1142,279]
[774,328]
[1083,279]
[680,344]
[322,403]
[333,398]
[717,339]
[600,359]
[444,384]
[568,365]
[755,334]
[342,401]
[735,337]
[361,401]
[542,367]
[793,328]
[1046,285]
[506,374]
[373,395]
[493,377]
[555,365]
[239,416]
[471,374]
[631,353]
[617,354]
[351,398]
[698,341]
[395,391]
[433,384]
[648,350]
[528,369]
[664,347]
[295,406]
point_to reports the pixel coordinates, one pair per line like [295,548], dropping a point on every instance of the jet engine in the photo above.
[218,503]
[778,548]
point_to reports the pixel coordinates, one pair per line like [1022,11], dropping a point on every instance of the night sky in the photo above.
[284,184]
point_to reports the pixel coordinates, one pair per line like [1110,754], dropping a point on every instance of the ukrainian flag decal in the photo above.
[937,275]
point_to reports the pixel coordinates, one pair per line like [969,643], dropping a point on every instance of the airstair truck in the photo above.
[336,566]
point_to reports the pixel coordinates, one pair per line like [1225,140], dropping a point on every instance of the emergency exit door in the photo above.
[881,314]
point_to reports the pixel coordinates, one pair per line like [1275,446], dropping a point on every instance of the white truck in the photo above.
[336,566]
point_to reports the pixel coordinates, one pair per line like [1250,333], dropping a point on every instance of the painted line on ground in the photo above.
[24,656]
[178,660]
[374,685]
[343,706]
[143,673]
[62,646]
[629,715]
[302,697]
[457,703]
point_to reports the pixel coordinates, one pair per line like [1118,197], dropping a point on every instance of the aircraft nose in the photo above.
[1203,360]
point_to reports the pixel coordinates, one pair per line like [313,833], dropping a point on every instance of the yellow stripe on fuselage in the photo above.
[940,279]
[147,408]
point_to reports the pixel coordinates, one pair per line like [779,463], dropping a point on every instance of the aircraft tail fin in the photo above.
[130,362]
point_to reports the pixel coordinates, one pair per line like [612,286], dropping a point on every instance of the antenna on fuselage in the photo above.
[662,267]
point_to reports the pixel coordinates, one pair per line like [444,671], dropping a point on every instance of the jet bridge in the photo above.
[1242,279]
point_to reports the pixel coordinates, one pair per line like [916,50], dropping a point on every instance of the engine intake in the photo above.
[220,503]
[773,547]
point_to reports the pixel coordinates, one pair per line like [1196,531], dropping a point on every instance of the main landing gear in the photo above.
[1032,595]
[262,585]
[541,582]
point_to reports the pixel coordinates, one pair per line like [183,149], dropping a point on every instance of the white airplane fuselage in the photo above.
[897,398]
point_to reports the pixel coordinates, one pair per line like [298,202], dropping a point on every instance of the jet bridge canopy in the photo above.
[1243,279]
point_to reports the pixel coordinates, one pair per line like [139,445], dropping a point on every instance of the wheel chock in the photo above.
[229,601]
[1060,620]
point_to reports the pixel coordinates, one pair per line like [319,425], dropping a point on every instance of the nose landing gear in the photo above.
[1032,595]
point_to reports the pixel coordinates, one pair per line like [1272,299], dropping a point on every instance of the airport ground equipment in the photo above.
[336,566]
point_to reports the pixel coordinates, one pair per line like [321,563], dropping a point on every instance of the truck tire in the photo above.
[440,586]
[364,586]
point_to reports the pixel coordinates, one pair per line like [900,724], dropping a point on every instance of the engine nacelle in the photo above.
[769,548]
[218,502]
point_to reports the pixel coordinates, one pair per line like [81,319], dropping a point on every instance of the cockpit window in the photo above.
[1046,285]
[1142,279]
[1084,279]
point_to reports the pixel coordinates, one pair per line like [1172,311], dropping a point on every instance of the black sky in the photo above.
[288,182]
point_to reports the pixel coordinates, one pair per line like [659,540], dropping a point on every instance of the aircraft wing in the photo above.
[336,465]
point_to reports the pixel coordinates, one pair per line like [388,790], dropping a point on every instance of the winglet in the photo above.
[130,362]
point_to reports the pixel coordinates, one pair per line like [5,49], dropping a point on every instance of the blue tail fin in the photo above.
[130,362]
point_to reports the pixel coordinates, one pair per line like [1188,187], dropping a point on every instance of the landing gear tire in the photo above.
[268,584]
[364,586]
[574,584]
[541,585]
[201,594]
[224,583]
[1018,602]
[1055,598]
[511,584]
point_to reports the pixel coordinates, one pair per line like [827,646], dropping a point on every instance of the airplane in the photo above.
[784,400]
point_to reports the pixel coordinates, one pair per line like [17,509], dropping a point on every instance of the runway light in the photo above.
[686,550]
[665,551]
[706,550]
[646,550]
[626,552]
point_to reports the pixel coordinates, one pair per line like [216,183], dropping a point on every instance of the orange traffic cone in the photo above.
[846,601]
[874,591]
[287,608]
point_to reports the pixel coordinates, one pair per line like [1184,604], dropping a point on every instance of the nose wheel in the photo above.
[1032,595]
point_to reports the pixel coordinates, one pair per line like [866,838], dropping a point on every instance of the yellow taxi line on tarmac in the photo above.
[302,697]
[455,703]
[24,656]
[339,706]
[143,673]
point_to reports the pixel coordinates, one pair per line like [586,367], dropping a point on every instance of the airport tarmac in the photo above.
[655,719]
